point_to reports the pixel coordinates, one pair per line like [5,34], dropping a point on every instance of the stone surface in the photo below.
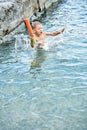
[12,13]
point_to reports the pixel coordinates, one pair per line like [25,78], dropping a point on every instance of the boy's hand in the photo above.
[32,45]
[62,30]
[33,41]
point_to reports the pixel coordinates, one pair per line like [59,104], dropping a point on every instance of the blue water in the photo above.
[47,89]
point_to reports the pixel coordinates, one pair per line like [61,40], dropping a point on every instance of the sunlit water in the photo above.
[47,89]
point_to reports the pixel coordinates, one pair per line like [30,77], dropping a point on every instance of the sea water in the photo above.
[47,89]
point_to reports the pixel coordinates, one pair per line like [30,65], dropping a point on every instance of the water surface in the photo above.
[47,89]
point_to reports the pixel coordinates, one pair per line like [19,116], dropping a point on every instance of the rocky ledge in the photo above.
[12,13]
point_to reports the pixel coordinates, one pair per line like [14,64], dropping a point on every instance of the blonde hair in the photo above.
[34,24]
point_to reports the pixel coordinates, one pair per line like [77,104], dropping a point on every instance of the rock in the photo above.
[12,13]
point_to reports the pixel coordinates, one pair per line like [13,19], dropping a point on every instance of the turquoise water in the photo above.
[47,89]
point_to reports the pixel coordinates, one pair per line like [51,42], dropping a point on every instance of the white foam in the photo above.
[21,42]
[46,47]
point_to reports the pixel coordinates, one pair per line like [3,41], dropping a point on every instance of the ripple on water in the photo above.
[47,90]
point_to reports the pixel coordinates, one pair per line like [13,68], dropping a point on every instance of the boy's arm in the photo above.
[32,42]
[54,33]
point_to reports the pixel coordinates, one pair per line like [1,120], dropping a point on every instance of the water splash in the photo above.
[21,42]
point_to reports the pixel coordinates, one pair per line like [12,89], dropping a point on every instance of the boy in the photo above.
[39,35]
